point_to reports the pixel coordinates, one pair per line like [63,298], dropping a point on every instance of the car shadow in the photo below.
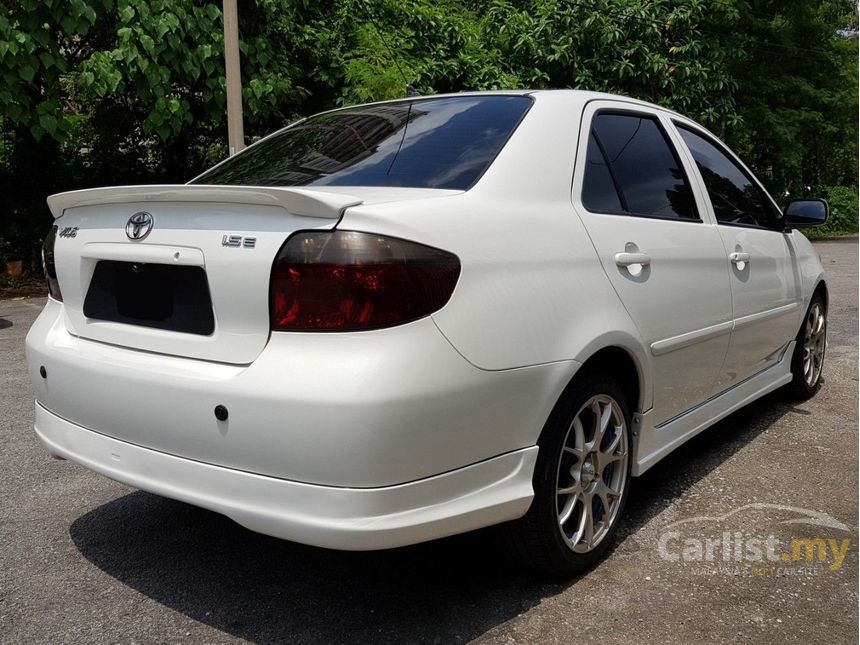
[5,323]
[267,590]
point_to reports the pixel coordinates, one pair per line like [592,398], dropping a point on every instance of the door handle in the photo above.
[739,258]
[628,259]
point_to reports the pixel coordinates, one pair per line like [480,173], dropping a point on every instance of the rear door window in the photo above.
[430,143]
[632,169]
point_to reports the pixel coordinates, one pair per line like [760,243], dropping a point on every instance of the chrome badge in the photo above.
[235,241]
[139,225]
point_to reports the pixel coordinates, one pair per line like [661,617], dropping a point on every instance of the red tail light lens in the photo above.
[49,266]
[349,281]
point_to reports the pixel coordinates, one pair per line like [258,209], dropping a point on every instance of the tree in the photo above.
[118,91]
[796,95]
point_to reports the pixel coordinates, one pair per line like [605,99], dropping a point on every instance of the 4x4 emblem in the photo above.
[139,225]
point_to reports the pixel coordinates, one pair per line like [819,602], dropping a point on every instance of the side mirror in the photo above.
[805,213]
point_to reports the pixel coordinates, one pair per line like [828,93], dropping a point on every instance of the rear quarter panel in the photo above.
[531,290]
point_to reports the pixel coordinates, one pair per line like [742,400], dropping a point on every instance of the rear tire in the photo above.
[581,480]
[807,362]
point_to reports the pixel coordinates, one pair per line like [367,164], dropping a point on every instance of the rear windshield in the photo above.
[431,143]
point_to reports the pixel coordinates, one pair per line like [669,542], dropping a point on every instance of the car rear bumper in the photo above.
[354,410]
[485,493]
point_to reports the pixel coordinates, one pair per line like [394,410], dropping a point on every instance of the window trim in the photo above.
[699,131]
[652,116]
[622,200]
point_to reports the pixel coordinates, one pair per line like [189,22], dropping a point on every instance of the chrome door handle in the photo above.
[737,258]
[628,259]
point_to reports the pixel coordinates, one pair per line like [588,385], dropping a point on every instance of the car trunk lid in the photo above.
[210,248]
[195,284]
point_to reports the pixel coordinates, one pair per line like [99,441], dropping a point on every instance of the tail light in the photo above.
[349,281]
[49,266]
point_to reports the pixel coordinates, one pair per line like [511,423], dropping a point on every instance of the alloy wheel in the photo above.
[814,340]
[592,473]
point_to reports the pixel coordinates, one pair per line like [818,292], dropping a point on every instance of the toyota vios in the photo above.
[399,321]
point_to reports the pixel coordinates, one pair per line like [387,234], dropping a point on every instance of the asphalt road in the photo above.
[85,559]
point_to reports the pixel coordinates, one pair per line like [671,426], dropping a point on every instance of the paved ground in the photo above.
[84,559]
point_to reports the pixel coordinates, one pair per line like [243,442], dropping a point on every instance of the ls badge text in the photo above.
[235,241]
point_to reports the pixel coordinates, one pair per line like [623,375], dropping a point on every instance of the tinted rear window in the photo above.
[630,156]
[432,143]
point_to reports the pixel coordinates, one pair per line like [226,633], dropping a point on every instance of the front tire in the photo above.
[807,362]
[581,480]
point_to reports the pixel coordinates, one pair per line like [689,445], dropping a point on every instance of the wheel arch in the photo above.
[623,351]
[618,361]
[821,288]
[622,365]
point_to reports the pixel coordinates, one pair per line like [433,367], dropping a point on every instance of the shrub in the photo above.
[843,202]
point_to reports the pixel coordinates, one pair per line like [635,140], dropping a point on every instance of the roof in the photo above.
[578,95]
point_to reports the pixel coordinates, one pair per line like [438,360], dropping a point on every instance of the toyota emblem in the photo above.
[139,225]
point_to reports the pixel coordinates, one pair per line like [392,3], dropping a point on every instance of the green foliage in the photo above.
[161,51]
[99,92]
[797,91]
[369,74]
[654,50]
[38,43]
[843,218]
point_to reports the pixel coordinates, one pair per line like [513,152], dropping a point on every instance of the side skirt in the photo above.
[652,443]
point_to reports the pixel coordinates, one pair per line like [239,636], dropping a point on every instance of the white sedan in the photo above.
[398,321]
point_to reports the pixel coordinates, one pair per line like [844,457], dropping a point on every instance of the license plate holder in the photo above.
[160,296]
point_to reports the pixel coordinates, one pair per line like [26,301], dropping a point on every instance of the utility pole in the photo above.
[235,131]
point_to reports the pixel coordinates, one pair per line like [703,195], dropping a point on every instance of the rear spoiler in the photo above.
[298,201]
